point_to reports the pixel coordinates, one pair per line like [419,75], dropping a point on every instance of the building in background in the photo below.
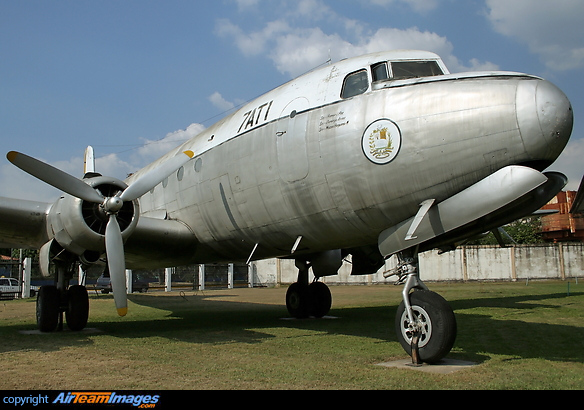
[567,225]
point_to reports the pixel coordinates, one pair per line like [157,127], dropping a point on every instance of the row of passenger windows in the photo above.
[180,173]
[358,82]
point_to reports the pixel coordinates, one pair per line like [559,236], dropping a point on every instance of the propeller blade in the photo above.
[114,247]
[155,176]
[54,177]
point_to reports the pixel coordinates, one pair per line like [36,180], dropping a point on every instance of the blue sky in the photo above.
[134,78]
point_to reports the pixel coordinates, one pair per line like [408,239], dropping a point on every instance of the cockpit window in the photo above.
[414,69]
[379,71]
[355,83]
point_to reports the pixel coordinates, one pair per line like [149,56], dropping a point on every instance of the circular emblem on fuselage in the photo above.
[381,141]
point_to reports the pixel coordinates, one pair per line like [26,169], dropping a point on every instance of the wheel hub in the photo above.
[422,324]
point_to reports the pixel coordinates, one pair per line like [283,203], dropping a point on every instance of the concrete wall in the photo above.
[554,261]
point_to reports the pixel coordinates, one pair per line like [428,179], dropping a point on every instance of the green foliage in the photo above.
[26,253]
[15,253]
[526,231]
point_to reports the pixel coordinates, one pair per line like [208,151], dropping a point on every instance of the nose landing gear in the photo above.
[424,323]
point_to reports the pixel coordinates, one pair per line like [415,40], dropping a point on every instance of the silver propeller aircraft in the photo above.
[382,154]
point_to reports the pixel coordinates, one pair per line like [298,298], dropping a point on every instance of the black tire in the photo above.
[439,331]
[297,301]
[320,299]
[77,312]
[47,308]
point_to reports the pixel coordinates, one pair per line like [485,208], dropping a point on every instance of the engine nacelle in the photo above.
[79,226]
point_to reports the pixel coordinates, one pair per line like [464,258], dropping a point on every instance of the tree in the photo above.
[26,253]
[522,231]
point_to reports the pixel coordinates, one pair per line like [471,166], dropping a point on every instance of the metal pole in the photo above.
[129,281]
[26,273]
[230,276]
[168,279]
[201,277]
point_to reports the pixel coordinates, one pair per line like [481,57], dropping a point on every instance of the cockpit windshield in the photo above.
[414,69]
[358,82]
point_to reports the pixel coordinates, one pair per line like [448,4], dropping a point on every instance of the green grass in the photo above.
[522,337]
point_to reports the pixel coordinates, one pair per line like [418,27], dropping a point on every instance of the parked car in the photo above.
[104,284]
[10,288]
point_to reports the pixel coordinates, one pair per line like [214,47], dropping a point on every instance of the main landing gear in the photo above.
[303,299]
[54,300]
[425,324]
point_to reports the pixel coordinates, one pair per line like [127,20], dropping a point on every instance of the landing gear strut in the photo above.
[304,300]
[54,300]
[424,323]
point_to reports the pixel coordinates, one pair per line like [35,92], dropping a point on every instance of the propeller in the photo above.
[114,245]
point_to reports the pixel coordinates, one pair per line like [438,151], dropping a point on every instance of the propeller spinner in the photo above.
[114,245]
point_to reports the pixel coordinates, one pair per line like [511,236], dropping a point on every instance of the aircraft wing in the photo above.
[159,243]
[23,224]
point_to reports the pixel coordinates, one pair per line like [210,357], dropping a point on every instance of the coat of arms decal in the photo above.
[381,141]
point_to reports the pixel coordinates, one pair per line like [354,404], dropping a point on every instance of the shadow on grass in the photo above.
[523,326]
[205,320]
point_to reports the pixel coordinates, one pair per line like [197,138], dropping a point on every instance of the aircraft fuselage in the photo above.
[303,161]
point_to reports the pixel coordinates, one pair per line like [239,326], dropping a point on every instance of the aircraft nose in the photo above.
[554,112]
[545,119]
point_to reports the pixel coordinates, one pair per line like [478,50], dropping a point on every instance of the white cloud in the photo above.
[301,50]
[551,29]
[218,101]
[153,149]
[309,32]
[251,44]
[413,38]
[313,9]
[476,65]
[113,165]
[297,50]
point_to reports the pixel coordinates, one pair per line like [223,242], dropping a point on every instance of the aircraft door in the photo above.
[291,142]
